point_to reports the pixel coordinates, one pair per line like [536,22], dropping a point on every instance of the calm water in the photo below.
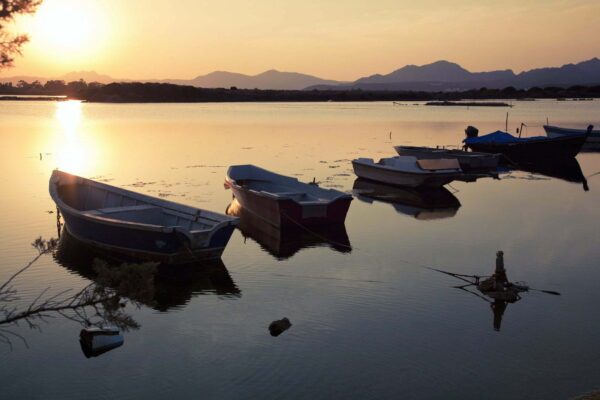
[368,323]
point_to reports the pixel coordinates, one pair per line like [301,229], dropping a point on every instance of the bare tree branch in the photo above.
[97,304]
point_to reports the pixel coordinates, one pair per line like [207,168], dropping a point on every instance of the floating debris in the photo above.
[276,328]
[95,341]
[496,286]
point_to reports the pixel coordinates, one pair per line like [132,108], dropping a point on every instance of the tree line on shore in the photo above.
[164,92]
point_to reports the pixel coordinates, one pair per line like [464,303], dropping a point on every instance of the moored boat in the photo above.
[468,160]
[592,142]
[531,148]
[408,171]
[137,225]
[281,200]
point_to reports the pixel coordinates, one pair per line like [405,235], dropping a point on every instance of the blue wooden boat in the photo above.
[137,225]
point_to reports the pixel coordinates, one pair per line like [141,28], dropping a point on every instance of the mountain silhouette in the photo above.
[438,76]
[445,75]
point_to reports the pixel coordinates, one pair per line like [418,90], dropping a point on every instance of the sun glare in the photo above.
[68,30]
[73,152]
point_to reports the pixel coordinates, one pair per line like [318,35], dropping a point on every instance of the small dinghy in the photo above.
[468,160]
[136,225]
[95,341]
[284,201]
[408,171]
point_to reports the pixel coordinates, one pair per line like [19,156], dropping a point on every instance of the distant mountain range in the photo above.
[271,79]
[437,76]
[447,76]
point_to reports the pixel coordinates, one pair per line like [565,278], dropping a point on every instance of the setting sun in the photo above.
[68,31]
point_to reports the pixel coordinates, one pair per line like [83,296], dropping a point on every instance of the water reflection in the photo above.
[423,203]
[169,287]
[74,153]
[567,170]
[494,289]
[497,305]
[284,242]
[94,306]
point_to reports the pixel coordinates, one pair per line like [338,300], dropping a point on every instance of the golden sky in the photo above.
[332,39]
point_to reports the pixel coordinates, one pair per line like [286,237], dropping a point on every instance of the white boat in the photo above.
[408,171]
[282,200]
[592,141]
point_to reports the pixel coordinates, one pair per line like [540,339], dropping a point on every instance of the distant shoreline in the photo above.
[136,92]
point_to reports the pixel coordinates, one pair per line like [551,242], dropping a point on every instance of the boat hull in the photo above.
[287,212]
[467,160]
[555,131]
[592,142]
[410,179]
[562,147]
[284,242]
[163,247]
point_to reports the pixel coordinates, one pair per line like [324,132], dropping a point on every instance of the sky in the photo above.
[331,39]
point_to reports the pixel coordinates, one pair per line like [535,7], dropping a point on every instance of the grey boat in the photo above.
[468,160]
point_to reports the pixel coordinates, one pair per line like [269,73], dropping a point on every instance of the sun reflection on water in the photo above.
[74,149]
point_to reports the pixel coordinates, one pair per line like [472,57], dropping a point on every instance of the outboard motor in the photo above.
[471,132]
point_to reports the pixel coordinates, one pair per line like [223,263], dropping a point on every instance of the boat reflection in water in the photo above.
[169,286]
[286,241]
[423,203]
[567,169]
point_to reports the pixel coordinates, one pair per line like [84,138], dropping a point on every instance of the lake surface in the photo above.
[369,322]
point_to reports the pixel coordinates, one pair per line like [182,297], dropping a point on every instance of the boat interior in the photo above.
[278,190]
[411,164]
[251,177]
[101,202]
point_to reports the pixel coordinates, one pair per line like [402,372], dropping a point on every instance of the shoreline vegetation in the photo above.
[137,92]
